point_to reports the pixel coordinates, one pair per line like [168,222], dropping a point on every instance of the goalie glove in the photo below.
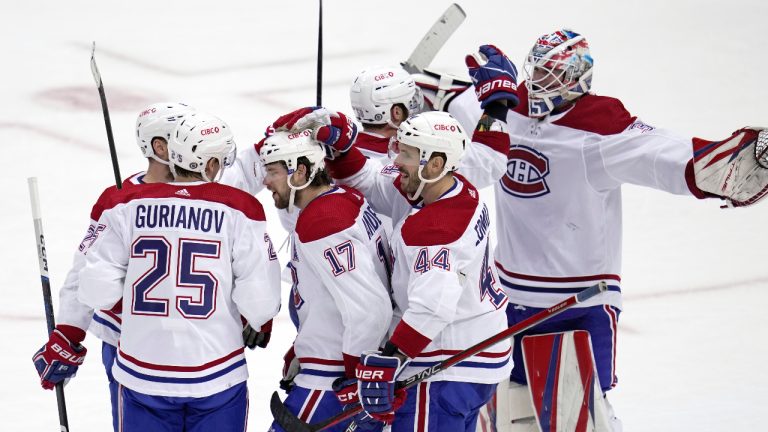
[736,168]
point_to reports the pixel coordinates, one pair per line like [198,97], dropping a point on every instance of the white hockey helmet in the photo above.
[289,147]
[198,138]
[558,69]
[433,132]
[158,121]
[377,89]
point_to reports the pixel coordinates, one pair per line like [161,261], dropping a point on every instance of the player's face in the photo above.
[407,162]
[276,182]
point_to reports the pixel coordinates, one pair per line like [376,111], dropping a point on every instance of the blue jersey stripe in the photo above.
[527,288]
[105,323]
[176,380]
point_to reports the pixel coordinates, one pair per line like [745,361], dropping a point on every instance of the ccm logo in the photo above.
[380,77]
[369,375]
[298,134]
[149,111]
[66,355]
[443,127]
[210,131]
[498,83]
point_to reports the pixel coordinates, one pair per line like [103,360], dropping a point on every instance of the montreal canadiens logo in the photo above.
[526,172]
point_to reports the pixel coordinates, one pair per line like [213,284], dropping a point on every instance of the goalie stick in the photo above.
[107,122]
[34,199]
[435,38]
[292,423]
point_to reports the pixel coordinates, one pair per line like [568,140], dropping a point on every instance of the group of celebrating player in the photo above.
[390,258]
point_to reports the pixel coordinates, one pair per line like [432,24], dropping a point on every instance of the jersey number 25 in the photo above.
[200,306]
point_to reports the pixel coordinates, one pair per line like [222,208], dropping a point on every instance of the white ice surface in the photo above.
[692,345]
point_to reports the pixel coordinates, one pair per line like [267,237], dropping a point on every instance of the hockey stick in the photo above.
[34,198]
[107,122]
[319,98]
[435,38]
[291,423]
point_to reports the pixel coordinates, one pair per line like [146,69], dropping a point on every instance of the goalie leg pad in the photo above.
[736,168]
[564,384]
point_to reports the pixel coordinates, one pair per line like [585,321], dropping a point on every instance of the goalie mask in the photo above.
[375,91]
[432,132]
[289,147]
[199,138]
[158,121]
[558,70]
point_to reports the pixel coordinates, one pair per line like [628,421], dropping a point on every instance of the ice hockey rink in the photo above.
[692,349]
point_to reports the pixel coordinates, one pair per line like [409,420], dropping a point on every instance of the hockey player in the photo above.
[382,97]
[442,282]
[187,259]
[153,129]
[558,199]
[340,269]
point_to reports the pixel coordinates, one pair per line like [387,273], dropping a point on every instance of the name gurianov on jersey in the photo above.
[179,216]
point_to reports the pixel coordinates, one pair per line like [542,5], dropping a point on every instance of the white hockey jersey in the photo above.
[558,200]
[105,324]
[340,263]
[187,259]
[444,285]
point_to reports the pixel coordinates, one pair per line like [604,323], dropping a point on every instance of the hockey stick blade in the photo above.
[291,423]
[435,38]
[94,68]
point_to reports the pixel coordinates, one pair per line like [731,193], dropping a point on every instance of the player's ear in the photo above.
[398,113]
[160,147]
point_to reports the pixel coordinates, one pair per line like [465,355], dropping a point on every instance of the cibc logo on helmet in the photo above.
[444,127]
[526,172]
[209,131]
[380,77]
[304,133]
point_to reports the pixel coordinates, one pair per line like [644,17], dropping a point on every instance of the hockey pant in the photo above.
[442,406]
[599,321]
[226,411]
[108,354]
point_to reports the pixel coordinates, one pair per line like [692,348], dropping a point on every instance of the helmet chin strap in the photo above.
[292,196]
[164,162]
[424,181]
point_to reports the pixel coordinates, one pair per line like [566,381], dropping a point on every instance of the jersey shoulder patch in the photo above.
[444,221]
[329,214]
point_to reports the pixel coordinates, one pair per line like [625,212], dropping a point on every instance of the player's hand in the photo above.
[253,338]
[291,368]
[334,129]
[60,357]
[376,375]
[346,393]
[288,121]
[494,76]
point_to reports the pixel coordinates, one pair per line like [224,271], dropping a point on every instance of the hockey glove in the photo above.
[346,393]
[493,75]
[288,121]
[257,338]
[60,357]
[376,375]
[736,168]
[291,368]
